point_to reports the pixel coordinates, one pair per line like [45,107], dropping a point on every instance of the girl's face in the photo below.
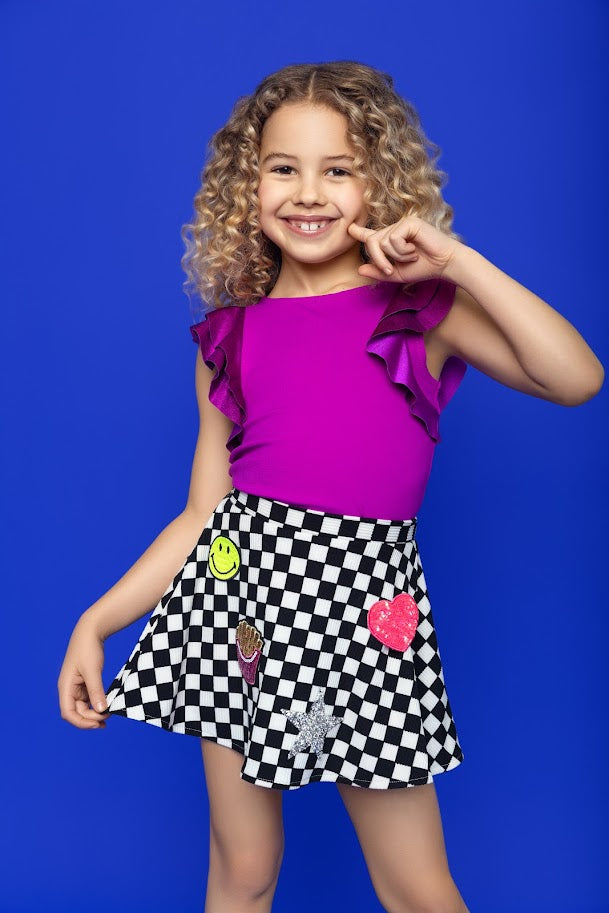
[306,176]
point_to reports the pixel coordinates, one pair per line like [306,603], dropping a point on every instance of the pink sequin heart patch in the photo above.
[394,622]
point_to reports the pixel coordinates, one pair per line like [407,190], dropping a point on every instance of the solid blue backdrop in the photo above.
[106,112]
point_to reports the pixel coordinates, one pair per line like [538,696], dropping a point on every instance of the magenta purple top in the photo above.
[332,402]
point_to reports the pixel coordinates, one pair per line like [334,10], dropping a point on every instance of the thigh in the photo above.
[400,832]
[246,820]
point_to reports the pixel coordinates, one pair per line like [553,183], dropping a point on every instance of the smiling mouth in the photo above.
[311,228]
[218,569]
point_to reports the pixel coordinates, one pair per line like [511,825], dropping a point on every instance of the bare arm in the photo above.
[139,590]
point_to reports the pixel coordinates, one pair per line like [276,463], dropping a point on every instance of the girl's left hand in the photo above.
[419,250]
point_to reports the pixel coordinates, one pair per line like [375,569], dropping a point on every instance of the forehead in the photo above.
[305,126]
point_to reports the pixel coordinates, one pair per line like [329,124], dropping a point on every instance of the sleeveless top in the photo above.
[333,406]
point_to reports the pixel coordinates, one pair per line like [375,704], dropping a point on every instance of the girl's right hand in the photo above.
[80,680]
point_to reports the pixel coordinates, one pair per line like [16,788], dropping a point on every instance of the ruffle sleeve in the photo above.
[398,340]
[220,337]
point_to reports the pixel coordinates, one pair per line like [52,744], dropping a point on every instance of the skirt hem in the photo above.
[316,776]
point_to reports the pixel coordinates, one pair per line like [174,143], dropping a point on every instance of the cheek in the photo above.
[351,201]
[267,198]
[358,198]
[357,195]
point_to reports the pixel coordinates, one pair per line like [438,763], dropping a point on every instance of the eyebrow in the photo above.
[327,158]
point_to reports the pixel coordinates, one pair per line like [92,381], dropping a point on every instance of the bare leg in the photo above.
[246,836]
[401,836]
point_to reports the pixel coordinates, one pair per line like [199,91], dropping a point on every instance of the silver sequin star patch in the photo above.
[313,726]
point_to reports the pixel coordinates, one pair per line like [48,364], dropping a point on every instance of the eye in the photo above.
[281,169]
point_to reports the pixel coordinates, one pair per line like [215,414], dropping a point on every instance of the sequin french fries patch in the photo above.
[249,646]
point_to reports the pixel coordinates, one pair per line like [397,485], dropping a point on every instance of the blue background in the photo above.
[106,111]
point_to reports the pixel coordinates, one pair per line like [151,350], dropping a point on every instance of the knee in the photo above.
[429,905]
[249,872]
[439,905]
[439,899]
[255,873]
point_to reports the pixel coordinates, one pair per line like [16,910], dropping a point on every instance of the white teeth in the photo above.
[309,226]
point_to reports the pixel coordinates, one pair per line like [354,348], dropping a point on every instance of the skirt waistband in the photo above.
[307,520]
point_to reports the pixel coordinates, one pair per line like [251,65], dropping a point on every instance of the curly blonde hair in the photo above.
[228,259]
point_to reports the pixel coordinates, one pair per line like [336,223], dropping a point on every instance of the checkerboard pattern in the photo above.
[268,611]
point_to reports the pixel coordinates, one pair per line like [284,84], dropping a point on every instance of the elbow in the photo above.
[582,394]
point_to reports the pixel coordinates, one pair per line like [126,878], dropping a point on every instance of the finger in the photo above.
[398,254]
[359,232]
[94,691]
[371,271]
[71,716]
[370,238]
[97,697]
[396,246]
[82,707]
[405,258]
[378,257]
[71,703]
[90,691]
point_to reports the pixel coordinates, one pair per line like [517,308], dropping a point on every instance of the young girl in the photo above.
[295,638]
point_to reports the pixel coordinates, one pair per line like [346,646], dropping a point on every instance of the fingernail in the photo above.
[100,706]
[388,269]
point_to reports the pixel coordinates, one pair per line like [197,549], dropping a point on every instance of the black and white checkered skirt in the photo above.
[305,641]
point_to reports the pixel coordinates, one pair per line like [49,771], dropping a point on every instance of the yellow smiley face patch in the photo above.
[224,558]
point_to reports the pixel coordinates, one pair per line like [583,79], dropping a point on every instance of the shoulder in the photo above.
[217,325]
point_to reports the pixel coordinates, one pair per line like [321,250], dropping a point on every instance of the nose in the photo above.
[308,191]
